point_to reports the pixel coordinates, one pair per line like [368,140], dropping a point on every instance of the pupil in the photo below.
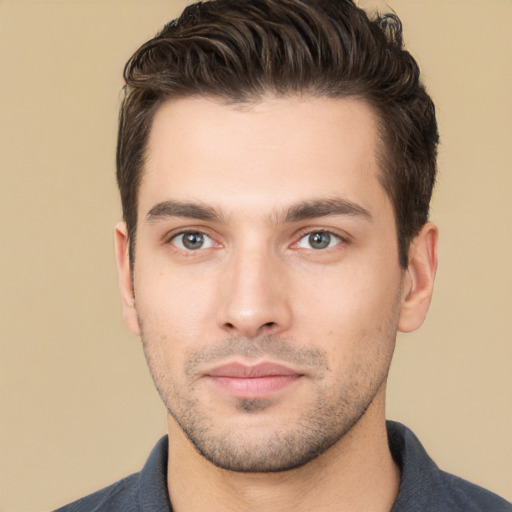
[193,240]
[319,240]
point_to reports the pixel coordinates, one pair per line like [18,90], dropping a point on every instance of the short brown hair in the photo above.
[240,50]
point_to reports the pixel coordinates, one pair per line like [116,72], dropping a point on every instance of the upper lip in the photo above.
[244,371]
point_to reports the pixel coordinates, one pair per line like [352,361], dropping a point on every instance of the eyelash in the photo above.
[169,240]
[342,240]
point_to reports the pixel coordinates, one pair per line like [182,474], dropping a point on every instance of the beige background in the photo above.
[78,409]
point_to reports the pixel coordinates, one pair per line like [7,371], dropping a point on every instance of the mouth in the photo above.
[252,381]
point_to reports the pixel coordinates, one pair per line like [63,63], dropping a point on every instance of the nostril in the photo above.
[269,324]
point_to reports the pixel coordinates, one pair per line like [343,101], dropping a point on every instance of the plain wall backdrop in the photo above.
[78,408]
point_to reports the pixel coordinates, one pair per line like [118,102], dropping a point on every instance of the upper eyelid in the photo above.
[184,252]
[296,237]
[204,237]
[341,240]
[329,232]
[343,235]
[169,235]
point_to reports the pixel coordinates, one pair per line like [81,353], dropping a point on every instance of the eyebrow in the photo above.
[325,207]
[302,210]
[198,211]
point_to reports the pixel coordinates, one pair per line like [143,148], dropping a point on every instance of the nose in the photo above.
[254,298]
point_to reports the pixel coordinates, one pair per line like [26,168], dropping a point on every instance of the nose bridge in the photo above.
[254,299]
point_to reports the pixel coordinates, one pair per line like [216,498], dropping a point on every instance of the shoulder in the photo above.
[424,487]
[459,494]
[120,496]
[145,490]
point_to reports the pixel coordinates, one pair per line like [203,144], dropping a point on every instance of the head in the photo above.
[275,161]
[241,50]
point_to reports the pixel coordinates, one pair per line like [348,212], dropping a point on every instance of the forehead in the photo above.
[262,154]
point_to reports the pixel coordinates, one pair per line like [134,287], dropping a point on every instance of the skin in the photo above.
[260,183]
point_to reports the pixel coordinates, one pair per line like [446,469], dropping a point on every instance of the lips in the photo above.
[256,381]
[241,371]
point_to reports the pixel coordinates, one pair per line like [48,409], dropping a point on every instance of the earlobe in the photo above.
[124,273]
[419,279]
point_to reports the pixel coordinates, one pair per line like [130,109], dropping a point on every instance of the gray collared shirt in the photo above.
[423,487]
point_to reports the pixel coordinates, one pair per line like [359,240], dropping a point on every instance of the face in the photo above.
[267,288]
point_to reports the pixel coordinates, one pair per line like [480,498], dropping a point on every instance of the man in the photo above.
[276,160]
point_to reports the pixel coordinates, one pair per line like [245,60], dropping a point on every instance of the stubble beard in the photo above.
[328,418]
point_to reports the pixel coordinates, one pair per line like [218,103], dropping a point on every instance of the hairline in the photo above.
[382,152]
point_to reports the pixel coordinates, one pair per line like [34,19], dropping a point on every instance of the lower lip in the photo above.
[254,387]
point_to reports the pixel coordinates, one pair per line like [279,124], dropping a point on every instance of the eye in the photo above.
[192,241]
[318,240]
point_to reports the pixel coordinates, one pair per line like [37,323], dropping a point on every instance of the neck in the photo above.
[357,474]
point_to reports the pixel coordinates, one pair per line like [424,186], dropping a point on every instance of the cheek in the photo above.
[174,306]
[348,293]
[350,310]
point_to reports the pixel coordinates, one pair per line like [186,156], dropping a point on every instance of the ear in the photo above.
[419,279]
[124,274]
